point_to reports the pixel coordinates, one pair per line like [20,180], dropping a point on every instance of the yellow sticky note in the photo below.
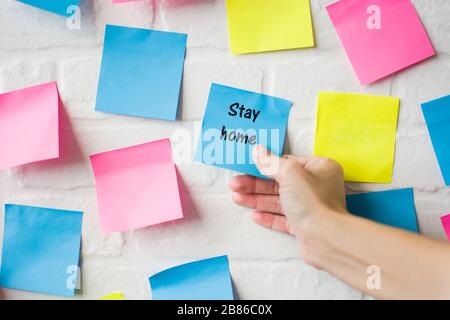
[114,296]
[358,131]
[268,25]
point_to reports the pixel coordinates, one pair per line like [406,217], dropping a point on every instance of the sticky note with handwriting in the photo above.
[235,121]
[207,279]
[359,132]
[394,208]
[141,72]
[41,249]
[29,125]
[258,26]
[437,117]
[136,186]
[380,37]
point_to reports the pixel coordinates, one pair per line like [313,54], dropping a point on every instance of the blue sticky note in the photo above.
[207,279]
[41,249]
[437,117]
[235,121]
[141,72]
[394,208]
[61,7]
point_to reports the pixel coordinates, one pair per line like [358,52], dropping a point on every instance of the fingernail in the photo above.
[259,152]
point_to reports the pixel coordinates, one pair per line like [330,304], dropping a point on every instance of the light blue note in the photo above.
[207,279]
[61,7]
[41,249]
[141,72]
[394,208]
[235,121]
[437,117]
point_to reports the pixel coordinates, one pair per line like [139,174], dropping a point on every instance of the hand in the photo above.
[307,199]
[304,190]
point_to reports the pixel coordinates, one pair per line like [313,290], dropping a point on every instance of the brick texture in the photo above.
[37,47]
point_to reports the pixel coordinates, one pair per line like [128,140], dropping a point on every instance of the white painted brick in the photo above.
[264,280]
[430,207]
[138,14]
[230,231]
[29,28]
[427,81]
[21,74]
[300,82]
[37,47]
[205,21]
[325,35]
[222,68]
[434,15]
[78,87]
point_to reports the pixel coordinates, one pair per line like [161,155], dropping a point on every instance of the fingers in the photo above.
[250,184]
[303,160]
[269,203]
[271,221]
[275,167]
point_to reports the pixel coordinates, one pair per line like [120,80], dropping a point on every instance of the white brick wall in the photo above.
[36,47]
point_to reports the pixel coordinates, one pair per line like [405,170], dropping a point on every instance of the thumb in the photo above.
[273,166]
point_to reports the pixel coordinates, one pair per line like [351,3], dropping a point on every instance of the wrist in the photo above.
[318,225]
[318,233]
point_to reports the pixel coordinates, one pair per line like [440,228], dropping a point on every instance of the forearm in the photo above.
[411,266]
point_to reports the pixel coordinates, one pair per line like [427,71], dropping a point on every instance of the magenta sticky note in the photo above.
[380,37]
[122,1]
[29,125]
[446,223]
[136,186]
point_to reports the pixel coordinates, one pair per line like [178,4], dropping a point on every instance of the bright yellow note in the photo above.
[268,25]
[358,131]
[114,296]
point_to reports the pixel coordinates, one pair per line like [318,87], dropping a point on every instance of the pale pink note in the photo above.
[136,186]
[446,223]
[122,1]
[29,129]
[380,37]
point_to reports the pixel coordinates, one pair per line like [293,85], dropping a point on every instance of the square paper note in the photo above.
[358,131]
[141,72]
[41,249]
[235,121]
[446,224]
[380,36]
[114,296]
[258,26]
[61,7]
[207,279]
[394,208]
[29,125]
[136,186]
[437,117]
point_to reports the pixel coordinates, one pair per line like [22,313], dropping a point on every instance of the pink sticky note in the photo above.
[136,186]
[380,37]
[29,125]
[446,223]
[122,1]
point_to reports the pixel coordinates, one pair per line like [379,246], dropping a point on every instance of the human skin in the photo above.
[306,199]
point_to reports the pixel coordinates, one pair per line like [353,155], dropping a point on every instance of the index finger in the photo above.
[251,184]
